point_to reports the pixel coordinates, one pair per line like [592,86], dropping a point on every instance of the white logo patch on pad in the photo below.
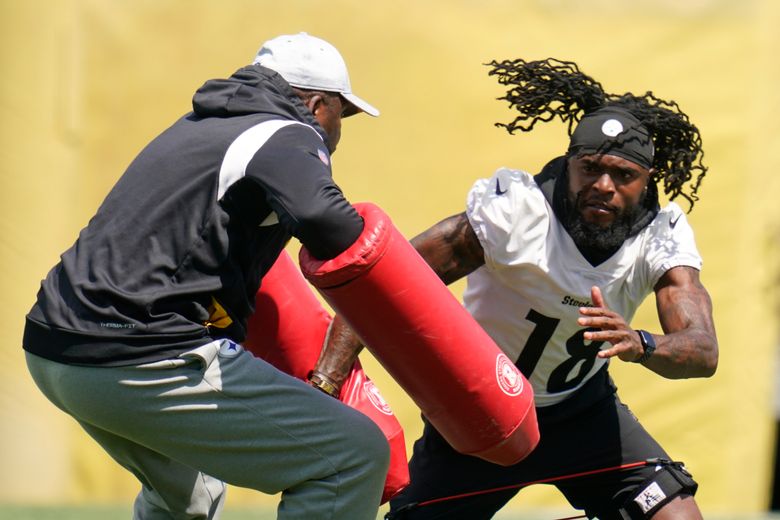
[376,398]
[509,378]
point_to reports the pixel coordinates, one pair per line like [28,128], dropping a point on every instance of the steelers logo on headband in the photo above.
[613,131]
[612,127]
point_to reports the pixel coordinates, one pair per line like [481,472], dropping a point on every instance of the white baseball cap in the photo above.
[310,63]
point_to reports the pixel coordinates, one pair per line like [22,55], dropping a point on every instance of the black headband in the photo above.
[613,130]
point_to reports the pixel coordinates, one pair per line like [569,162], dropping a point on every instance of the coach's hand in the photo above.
[614,330]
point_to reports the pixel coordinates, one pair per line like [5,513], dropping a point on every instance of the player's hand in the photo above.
[613,329]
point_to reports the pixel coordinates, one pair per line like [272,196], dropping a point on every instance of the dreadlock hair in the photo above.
[545,89]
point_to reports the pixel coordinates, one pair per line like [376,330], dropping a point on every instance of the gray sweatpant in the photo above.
[215,415]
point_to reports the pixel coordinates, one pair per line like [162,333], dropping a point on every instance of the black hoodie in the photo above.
[176,251]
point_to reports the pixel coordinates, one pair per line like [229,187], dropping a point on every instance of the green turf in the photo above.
[63,513]
[105,513]
[13,512]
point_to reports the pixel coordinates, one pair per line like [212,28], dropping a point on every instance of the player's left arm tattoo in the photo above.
[689,346]
[451,248]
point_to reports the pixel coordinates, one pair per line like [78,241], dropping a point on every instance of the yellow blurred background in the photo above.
[86,83]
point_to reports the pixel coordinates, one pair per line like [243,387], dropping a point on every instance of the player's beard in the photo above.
[592,236]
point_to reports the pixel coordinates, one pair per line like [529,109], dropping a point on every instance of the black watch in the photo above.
[648,345]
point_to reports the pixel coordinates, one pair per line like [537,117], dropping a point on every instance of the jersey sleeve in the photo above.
[671,244]
[293,168]
[509,216]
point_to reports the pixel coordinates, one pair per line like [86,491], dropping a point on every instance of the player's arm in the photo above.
[450,247]
[689,346]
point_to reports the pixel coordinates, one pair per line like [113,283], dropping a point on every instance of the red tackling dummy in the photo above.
[462,382]
[289,324]
[361,393]
[288,330]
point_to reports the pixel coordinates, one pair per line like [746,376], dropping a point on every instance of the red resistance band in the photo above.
[648,462]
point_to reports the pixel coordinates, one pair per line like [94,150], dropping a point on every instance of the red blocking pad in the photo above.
[288,330]
[361,393]
[421,334]
[289,324]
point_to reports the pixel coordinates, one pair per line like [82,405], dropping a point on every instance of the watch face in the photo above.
[647,339]
[648,345]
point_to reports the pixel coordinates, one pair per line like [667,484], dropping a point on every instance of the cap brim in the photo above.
[358,105]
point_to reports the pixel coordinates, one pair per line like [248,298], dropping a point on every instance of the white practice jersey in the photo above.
[528,294]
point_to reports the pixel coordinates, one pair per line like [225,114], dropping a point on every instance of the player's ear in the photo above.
[314,103]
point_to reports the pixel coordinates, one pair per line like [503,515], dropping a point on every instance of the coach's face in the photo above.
[602,188]
[328,110]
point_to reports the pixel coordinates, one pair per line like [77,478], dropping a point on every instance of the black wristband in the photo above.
[648,345]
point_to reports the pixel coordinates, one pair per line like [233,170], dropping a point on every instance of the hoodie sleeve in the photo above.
[294,170]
